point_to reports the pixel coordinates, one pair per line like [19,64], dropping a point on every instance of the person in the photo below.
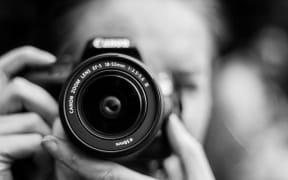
[21,132]
[172,36]
[251,99]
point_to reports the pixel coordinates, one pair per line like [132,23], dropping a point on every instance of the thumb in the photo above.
[51,144]
[181,141]
[189,150]
[67,155]
[86,167]
[61,150]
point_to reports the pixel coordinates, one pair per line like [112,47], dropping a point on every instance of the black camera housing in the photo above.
[111,64]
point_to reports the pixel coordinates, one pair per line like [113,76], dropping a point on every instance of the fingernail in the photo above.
[49,57]
[50,143]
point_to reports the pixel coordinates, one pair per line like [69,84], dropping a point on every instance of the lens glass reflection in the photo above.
[110,105]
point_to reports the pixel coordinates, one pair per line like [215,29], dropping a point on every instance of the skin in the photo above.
[253,105]
[174,40]
[171,38]
[21,132]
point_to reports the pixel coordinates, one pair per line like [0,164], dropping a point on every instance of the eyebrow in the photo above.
[184,78]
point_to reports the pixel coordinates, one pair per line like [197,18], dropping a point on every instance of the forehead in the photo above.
[165,32]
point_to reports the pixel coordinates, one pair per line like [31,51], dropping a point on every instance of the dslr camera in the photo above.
[110,104]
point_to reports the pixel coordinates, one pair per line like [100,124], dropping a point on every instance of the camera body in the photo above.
[110,104]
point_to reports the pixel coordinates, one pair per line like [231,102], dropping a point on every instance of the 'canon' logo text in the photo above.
[111,43]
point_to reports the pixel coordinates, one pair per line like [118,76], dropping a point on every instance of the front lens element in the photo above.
[111,105]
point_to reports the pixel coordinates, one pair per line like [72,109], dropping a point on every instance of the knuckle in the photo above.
[34,118]
[17,82]
[17,85]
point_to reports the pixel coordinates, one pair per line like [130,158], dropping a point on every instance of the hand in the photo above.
[21,132]
[190,162]
[82,166]
[189,154]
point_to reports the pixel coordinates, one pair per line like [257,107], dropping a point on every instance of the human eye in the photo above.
[185,81]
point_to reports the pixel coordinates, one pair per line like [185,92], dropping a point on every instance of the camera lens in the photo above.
[111,105]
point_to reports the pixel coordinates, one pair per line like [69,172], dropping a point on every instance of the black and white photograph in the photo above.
[143,90]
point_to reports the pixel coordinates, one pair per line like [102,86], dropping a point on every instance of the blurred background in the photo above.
[248,134]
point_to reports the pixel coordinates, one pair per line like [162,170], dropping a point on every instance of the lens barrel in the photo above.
[111,106]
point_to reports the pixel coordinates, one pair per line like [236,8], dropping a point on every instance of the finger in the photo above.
[189,150]
[34,98]
[16,59]
[88,167]
[19,146]
[180,138]
[173,168]
[63,172]
[58,130]
[23,123]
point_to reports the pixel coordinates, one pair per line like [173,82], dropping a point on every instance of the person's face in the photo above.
[170,38]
